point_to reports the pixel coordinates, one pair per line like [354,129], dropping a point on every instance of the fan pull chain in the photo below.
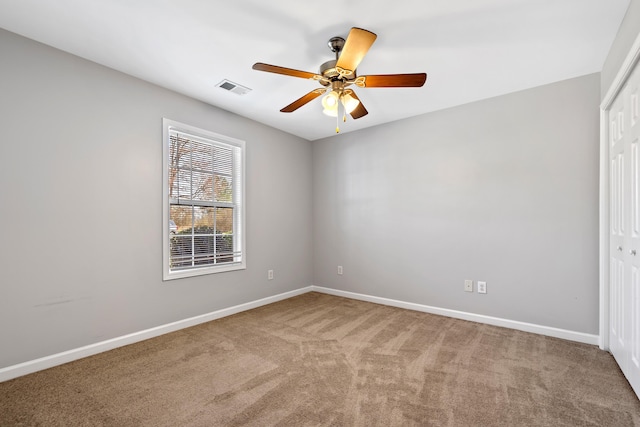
[338,117]
[344,110]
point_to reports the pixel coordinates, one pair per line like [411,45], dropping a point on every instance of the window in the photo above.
[203,214]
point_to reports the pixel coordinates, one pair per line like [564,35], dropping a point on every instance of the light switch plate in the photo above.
[482,287]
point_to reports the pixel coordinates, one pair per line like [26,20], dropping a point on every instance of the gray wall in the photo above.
[503,190]
[627,34]
[80,210]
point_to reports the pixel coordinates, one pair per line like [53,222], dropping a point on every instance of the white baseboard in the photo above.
[479,318]
[31,366]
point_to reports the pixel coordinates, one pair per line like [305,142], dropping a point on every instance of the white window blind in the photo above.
[204,199]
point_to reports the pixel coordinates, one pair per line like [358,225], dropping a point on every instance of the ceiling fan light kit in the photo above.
[338,95]
[330,104]
[337,75]
[349,102]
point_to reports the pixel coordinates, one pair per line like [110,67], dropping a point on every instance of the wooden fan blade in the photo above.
[303,100]
[286,71]
[394,80]
[355,48]
[359,111]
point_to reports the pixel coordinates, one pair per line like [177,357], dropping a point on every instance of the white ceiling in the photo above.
[470,49]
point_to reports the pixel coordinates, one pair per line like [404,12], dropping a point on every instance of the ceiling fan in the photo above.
[338,75]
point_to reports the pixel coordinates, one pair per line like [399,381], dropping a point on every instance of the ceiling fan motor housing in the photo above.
[328,69]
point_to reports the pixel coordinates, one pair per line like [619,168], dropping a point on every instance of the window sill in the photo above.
[180,274]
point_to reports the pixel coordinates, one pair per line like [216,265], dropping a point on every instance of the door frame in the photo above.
[621,78]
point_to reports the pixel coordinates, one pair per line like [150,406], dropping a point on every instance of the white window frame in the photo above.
[239,202]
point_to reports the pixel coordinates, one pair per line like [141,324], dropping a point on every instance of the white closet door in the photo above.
[624,139]
[633,318]
[618,220]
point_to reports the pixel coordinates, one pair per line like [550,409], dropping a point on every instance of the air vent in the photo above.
[233,87]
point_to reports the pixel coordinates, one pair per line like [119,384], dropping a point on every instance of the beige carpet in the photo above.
[320,360]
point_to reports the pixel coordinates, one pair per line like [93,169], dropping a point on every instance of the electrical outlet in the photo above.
[468,285]
[340,270]
[270,275]
[482,287]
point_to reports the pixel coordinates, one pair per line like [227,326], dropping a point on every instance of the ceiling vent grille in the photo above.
[233,87]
